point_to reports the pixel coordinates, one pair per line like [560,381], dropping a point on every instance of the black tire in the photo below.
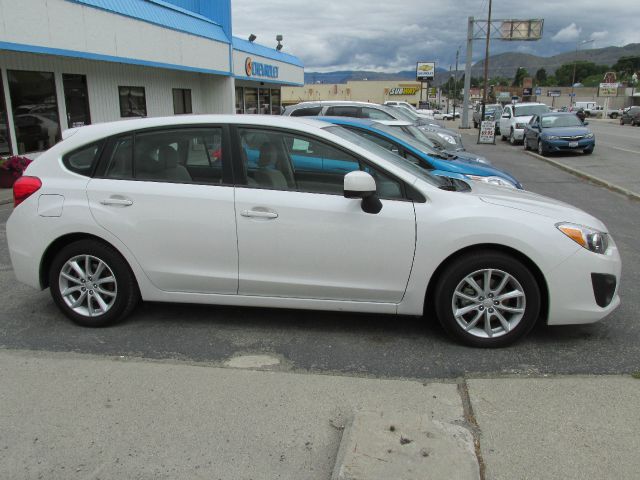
[588,151]
[475,124]
[525,143]
[127,294]
[614,115]
[541,150]
[464,266]
[512,138]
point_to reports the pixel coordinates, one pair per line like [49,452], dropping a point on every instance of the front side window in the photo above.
[286,161]
[133,102]
[35,110]
[182,101]
[306,112]
[344,111]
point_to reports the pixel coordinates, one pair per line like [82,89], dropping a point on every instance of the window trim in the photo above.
[409,193]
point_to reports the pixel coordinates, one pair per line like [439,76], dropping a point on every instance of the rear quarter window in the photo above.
[307,112]
[84,159]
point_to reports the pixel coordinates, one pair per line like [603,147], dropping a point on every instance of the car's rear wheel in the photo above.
[487,299]
[614,115]
[92,284]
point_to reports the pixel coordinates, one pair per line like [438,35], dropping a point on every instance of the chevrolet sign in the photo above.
[255,69]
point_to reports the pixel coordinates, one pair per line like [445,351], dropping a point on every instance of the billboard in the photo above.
[608,90]
[527,30]
[425,70]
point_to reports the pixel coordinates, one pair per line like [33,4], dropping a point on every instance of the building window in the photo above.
[133,102]
[76,99]
[5,138]
[276,109]
[35,110]
[250,100]
[182,101]
[239,100]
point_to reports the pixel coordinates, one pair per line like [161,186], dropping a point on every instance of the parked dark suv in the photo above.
[631,116]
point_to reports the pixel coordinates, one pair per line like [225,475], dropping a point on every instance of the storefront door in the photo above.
[76,99]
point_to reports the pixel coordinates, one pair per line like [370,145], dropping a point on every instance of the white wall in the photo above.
[70,26]
[210,93]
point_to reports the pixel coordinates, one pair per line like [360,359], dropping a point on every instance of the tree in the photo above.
[583,69]
[541,76]
[521,73]
[627,66]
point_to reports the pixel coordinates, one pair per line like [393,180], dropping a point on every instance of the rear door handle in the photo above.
[117,202]
[258,214]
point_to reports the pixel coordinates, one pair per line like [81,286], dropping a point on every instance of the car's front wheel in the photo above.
[487,299]
[92,284]
[525,143]
[512,138]
[541,150]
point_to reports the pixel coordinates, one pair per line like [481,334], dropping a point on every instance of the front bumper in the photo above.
[518,133]
[574,296]
[563,145]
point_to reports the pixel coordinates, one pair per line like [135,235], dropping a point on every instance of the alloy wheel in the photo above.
[488,303]
[87,285]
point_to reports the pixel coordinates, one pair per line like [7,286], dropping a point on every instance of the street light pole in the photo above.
[455,84]
[486,63]
[575,61]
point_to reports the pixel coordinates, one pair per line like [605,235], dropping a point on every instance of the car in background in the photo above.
[491,112]
[410,148]
[631,116]
[558,132]
[371,233]
[440,115]
[516,116]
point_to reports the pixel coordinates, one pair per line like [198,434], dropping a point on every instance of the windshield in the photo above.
[405,114]
[382,152]
[552,121]
[528,110]
[413,136]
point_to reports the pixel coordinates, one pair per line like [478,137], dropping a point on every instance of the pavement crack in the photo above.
[472,424]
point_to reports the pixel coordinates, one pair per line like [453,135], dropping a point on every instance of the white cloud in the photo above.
[599,35]
[567,34]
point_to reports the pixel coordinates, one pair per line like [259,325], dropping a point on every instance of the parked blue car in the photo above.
[558,132]
[403,144]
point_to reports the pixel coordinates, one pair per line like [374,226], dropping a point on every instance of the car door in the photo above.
[505,121]
[299,237]
[168,196]
[531,131]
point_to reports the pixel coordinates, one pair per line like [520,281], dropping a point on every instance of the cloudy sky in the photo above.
[392,35]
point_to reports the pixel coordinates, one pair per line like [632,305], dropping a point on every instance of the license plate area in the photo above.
[573,144]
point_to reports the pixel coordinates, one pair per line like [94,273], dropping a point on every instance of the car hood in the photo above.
[523,119]
[465,156]
[566,131]
[473,168]
[534,203]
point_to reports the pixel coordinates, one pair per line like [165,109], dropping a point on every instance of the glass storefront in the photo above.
[265,101]
[76,99]
[5,142]
[35,110]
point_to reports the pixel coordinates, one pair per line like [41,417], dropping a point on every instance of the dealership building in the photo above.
[68,63]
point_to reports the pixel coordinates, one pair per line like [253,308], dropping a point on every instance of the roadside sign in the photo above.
[526,92]
[572,94]
[608,90]
[554,93]
[487,132]
[425,70]
[538,91]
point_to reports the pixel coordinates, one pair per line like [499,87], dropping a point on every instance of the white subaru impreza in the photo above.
[297,213]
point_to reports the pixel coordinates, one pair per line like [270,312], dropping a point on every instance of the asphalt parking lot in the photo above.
[354,344]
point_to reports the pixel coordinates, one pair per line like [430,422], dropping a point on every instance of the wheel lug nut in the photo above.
[90,292]
[481,308]
[480,298]
[496,303]
[83,289]
[491,295]
[491,310]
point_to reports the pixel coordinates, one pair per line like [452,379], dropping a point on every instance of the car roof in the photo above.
[86,134]
[336,102]
[366,122]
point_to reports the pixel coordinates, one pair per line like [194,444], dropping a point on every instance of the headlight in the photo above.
[447,138]
[589,135]
[520,126]
[501,182]
[550,137]
[586,237]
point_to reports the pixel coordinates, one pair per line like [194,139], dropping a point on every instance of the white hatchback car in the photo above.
[296,213]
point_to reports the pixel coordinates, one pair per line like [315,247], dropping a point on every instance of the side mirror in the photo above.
[360,184]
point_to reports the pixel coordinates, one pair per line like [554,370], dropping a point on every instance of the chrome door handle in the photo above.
[118,202]
[258,214]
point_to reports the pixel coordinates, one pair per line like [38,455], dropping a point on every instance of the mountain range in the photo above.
[503,64]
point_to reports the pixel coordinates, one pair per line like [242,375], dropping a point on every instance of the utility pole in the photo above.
[467,75]
[449,89]
[455,84]
[486,64]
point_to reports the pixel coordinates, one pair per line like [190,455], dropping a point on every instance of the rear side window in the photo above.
[307,112]
[83,160]
[375,114]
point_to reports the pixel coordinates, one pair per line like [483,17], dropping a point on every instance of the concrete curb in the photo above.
[586,176]
[6,196]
